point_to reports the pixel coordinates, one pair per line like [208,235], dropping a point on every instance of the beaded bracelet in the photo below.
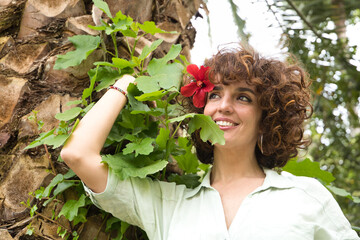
[119,89]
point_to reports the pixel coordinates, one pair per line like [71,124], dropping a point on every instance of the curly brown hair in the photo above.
[283,95]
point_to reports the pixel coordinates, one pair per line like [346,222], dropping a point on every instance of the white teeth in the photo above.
[224,123]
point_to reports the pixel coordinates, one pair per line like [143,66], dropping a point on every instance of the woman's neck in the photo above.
[233,165]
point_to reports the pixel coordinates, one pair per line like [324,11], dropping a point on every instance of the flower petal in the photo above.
[193,69]
[199,98]
[209,86]
[203,73]
[189,89]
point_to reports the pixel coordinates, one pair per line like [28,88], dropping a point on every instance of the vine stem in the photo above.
[115,44]
[49,157]
[136,40]
[177,128]
[129,48]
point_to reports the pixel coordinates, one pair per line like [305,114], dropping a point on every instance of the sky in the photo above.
[260,23]
[223,30]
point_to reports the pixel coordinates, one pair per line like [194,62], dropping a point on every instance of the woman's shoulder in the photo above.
[311,187]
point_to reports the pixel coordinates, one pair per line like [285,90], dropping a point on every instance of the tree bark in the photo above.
[32,33]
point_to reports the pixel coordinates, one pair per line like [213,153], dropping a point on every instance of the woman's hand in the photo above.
[124,82]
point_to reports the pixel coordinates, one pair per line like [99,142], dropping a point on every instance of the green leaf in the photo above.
[84,44]
[185,61]
[75,102]
[152,112]
[112,220]
[30,230]
[69,174]
[132,121]
[85,110]
[147,84]
[162,138]
[40,140]
[209,130]
[181,118]
[136,105]
[126,166]
[98,28]
[129,33]
[81,216]
[151,96]
[56,141]
[189,180]
[156,65]
[93,77]
[106,76]
[71,208]
[147,50]
[121,21]
[123,228]
[188,161]
[103,6]
[166,76]
[204,167]
[61,187]
[131,137]
[69,114]
[308,168]
[143,147]
[39,193]
[342,192]
[170,76]
[150,27]
[55,181]
[33,210]
[122,63]
[107,64]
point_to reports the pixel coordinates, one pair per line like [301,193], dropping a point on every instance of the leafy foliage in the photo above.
[144,137]
[84,44]
[309,169]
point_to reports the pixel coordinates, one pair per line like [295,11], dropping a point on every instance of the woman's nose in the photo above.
[226,105]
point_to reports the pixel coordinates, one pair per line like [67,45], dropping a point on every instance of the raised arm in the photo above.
[82,151]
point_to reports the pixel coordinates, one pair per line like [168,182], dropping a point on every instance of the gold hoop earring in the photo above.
[261,144]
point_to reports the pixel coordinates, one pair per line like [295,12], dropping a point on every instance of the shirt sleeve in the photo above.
[143,202]
[331,222]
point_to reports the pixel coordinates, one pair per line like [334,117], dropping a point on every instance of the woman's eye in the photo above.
[244,98]
[213,95]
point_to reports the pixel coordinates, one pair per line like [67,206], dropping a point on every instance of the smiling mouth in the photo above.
[225,124]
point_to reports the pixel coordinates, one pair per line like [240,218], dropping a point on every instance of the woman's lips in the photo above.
[225,123]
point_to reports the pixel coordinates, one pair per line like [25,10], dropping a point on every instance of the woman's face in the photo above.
[235,110]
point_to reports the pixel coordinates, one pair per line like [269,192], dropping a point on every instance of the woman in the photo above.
[260,104]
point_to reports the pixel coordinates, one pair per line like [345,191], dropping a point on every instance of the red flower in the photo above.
[198,88]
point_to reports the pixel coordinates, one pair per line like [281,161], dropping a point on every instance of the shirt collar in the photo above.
[205,183]
[272,180]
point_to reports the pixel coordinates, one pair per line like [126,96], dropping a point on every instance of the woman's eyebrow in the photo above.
[244,89]
[217,87]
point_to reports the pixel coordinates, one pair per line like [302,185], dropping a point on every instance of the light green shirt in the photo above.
[285,207]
